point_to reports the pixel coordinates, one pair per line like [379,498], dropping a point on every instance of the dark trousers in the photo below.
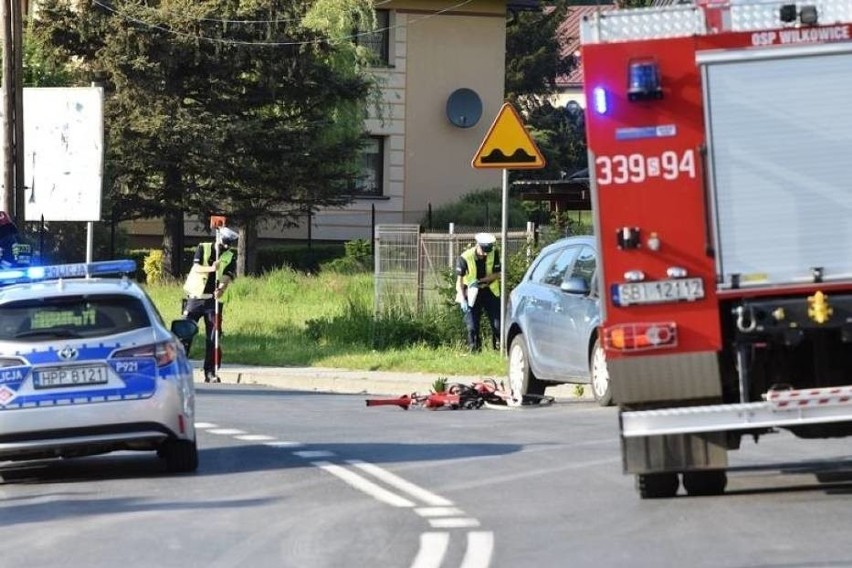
[488,303]
[197,309]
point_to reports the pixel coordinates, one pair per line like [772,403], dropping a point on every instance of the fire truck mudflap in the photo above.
[719,139]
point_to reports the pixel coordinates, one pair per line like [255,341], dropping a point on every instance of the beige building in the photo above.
[417,157]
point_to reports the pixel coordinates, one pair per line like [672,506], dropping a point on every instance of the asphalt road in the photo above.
[304,479]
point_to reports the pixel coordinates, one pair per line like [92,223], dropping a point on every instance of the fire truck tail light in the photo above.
[641,336]
[599,94]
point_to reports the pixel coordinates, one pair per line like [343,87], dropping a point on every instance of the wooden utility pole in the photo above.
[8,203]
[18,90]
[11,30]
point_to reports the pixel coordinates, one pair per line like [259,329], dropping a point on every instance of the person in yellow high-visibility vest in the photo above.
[478,289]
[204,294]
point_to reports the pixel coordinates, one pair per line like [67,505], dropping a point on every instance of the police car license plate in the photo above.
[660,291]
[71,376]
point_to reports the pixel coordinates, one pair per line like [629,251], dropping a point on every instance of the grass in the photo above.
[288,318]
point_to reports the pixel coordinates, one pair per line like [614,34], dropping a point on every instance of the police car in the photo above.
[87,366]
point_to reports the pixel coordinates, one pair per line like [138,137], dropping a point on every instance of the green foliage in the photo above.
[153,267]
[40,70]
[266,323]
[358,258]
[301,257]
[478,209]
[439,385]
[207,112]
[533,53]
[560,134]
[59,242]
[396,327]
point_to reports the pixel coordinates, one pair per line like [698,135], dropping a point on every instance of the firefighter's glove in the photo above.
[465,307]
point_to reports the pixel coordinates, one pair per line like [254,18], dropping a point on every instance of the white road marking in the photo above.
[226,431]
[254,438]
[433,548]
[312,454]
[283,444]
[402,484]
[454,523]
[439,511]
[364,485]
[480,547]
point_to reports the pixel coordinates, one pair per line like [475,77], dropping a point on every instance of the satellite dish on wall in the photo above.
[464,108]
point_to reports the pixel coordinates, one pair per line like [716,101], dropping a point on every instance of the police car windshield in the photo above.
[70,317]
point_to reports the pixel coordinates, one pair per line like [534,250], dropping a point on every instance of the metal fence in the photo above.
[414,269]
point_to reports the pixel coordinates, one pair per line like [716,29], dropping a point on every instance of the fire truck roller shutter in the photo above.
[779,129]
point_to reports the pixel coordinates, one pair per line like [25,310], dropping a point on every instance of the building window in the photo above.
[371,180]
[378,41]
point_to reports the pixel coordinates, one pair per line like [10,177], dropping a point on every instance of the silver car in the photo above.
[552,322]
[87,366]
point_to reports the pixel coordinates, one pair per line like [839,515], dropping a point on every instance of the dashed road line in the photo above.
[402,484]
[283,444]
[226,431]
[254,438]
[454,523]
[480,548]
[439,511]
[365,485]
[313,454]
[433,548]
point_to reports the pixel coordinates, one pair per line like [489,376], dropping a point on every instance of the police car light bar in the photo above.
[74,270]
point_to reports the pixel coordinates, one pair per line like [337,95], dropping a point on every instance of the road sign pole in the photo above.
[504,229]
[507,146]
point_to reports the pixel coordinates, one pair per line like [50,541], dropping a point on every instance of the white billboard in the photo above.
[63,153]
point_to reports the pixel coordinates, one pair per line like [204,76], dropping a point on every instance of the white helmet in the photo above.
[228,237]
[485,241]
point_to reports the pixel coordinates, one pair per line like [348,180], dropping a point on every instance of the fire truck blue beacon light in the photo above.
[599,103]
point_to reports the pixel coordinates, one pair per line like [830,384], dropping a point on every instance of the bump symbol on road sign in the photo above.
[508,145]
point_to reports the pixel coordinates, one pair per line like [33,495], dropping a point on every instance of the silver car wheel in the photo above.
[600,376]
[518,372]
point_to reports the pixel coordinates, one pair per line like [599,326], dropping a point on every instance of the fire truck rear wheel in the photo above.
[522,381]
[657,485]
[705,482]
[600,375]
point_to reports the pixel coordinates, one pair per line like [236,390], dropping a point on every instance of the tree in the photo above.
[234,107]
[534,62]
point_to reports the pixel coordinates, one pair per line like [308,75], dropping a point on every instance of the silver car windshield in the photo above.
[71,317]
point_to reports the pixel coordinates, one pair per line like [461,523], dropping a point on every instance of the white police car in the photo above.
[87,366]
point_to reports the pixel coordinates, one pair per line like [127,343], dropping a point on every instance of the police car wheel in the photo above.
[181,456]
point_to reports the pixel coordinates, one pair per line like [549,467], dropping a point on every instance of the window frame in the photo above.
[377,169]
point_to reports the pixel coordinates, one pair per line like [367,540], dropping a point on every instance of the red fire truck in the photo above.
[720,146]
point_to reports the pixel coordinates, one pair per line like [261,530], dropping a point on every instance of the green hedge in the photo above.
[298,257]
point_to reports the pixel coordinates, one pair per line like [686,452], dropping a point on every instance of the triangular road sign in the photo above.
[508,145]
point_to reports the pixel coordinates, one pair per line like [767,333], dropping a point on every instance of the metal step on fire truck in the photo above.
[720,136]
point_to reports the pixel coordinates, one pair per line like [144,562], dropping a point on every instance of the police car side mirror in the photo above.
[575,285]
[185,330]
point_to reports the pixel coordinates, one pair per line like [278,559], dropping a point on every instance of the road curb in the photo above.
[343,381]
